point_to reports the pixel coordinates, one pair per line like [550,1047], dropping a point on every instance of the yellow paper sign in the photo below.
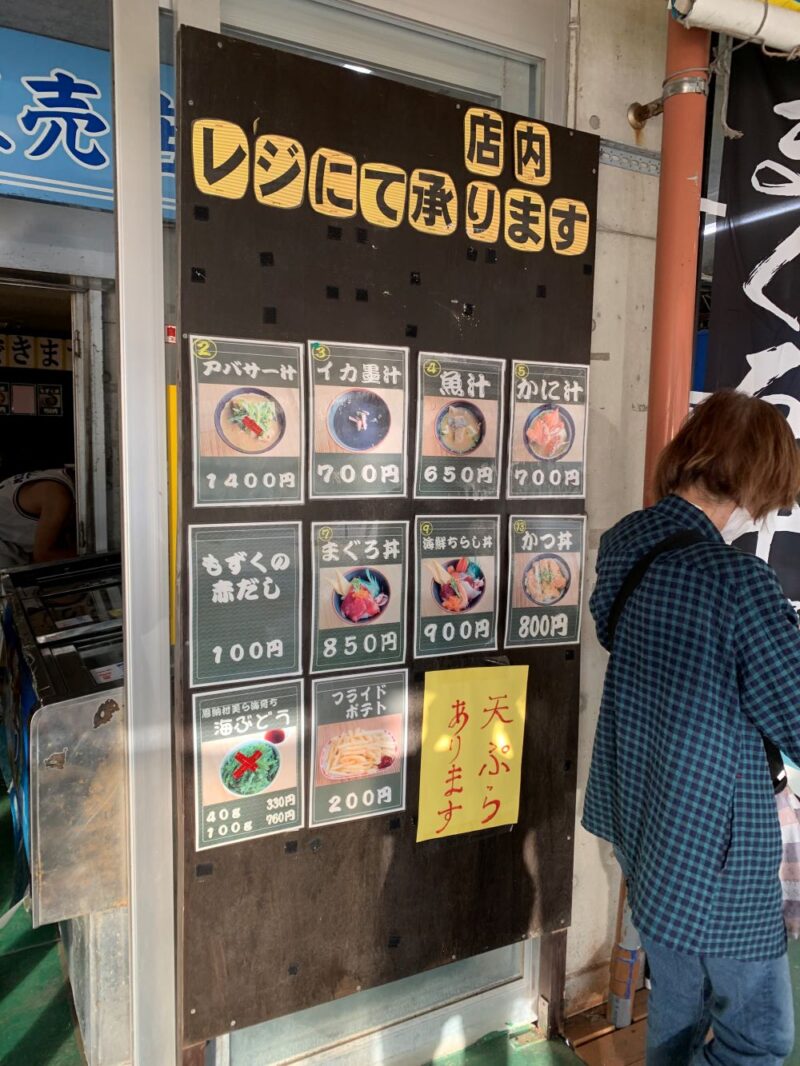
[473,726]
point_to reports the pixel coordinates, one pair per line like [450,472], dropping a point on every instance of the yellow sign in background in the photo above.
[473,726]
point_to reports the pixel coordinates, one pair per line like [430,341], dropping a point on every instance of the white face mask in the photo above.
[741,522]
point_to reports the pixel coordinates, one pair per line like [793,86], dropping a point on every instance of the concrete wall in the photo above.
[620,58]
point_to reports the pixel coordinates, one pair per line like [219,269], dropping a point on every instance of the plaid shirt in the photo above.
[706,659]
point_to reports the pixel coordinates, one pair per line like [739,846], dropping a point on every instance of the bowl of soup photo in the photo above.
[460,427]
[250,420]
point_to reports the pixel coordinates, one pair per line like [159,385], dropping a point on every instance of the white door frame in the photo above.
[145,538]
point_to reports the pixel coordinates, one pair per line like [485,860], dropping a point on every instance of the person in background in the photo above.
[37,518]
[705,664]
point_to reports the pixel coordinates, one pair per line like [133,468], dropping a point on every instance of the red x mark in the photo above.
[246,762]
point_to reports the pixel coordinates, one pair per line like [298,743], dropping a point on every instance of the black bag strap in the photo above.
[682,539]
[685,538]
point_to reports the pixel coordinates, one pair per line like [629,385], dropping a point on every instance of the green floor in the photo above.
[36,1026]
[500,1049]
[36,1021]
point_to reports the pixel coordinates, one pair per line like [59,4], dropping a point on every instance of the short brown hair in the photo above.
[734,447]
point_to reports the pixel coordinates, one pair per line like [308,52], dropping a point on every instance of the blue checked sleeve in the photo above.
[768,658]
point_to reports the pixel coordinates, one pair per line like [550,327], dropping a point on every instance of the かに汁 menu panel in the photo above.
[547,435]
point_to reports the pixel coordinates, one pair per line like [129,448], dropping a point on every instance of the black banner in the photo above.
[754,341]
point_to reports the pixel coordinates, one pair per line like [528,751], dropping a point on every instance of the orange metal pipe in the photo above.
[676,244]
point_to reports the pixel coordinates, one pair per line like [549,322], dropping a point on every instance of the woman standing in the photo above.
[705,666]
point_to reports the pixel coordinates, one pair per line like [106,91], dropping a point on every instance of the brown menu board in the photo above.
[418,247]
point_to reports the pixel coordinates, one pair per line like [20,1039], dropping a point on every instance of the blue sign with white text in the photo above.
[56,131]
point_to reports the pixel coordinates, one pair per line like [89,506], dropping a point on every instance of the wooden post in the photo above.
[552,978]
[194,1055]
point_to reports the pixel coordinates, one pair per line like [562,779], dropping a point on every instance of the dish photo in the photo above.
[546,579]
[249,420]
[360,595]
[549,432]
[355,753]
[359,420]
[457,585]
[460,427]
[250,768]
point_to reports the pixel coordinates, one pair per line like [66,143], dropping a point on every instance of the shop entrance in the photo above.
[51,390]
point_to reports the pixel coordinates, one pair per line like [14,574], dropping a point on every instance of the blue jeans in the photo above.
[747,1004]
